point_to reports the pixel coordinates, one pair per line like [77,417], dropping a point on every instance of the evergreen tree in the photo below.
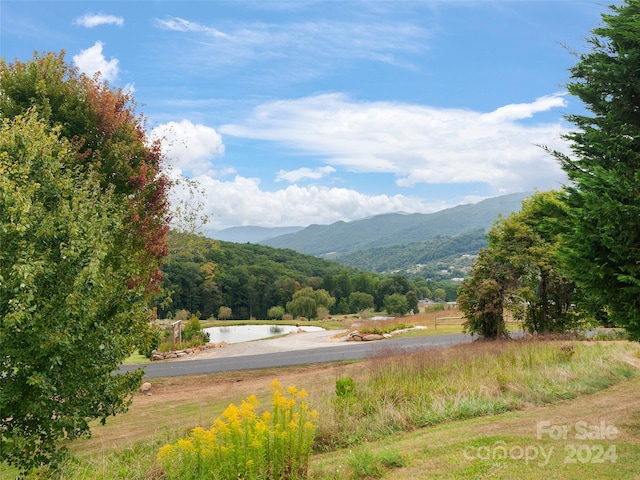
[601,230]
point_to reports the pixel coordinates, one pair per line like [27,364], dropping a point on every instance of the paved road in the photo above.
[344,351]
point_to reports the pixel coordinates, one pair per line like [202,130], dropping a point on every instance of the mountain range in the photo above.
[395,229]
[249,234]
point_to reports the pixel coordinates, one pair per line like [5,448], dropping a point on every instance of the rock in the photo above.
[364,337]
[371,337]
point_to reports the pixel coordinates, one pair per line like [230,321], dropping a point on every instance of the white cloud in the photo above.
[189,148]
[243,202]
[181,25]
[293,176]
[91,61]
[518,111]
[91,20]
[296,50]
[419,144]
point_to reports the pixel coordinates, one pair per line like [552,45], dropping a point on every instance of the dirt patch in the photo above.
[238,384]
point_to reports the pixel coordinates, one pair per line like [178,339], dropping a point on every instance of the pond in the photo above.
[246,333]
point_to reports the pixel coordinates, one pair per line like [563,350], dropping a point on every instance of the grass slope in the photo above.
[437,414]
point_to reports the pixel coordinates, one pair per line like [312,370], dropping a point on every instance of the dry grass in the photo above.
[423,319]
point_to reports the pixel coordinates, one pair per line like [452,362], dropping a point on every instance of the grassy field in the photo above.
[507,446]
[514,409]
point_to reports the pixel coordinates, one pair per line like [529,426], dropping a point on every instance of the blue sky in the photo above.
[302,112]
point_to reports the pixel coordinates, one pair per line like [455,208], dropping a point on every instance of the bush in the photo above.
[156,336]
[323,313]
[192,332]
[242,444]
[345,387]
[276,312]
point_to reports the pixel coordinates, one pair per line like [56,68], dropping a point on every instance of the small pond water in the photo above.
[246,333]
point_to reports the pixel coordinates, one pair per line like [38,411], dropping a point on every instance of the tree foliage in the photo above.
[277,312]
[224,313]
[361,301]
[481,298]
[68,316]
[601,229]
[519,271]
[83,215]
[307,301]
[540,294]
[202,274]
[396,304]
[110,140]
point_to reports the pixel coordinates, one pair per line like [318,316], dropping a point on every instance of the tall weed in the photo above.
[244,444]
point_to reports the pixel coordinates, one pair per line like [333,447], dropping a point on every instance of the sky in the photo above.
[291,113]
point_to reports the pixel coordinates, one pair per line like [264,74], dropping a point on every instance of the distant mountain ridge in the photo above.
[397,229]
[250,234]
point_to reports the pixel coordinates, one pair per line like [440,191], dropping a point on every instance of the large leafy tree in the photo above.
[110,140]
[519,271]
[67,313]
[83,215]
[482,297]
[305,302]
[540,294]
[396,304]
[601,230]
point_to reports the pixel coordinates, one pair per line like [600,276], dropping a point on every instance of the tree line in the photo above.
[203,276]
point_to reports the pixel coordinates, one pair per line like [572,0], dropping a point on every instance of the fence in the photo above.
[447,321]
[442,321]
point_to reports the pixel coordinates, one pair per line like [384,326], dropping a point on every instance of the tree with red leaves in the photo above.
[84,213]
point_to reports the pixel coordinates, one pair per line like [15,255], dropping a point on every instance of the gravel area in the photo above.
[292,341]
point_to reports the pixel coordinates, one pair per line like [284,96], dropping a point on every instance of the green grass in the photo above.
[136,359]
[506,446]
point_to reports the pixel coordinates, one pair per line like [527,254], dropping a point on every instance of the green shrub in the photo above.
[192,332]
[156,336]
[345,387]
[276,312]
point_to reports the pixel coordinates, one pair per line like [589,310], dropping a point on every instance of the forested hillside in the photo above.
[415,253]
[201,275]
[419,257]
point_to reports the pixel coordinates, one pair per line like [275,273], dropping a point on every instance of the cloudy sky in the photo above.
[300,112]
